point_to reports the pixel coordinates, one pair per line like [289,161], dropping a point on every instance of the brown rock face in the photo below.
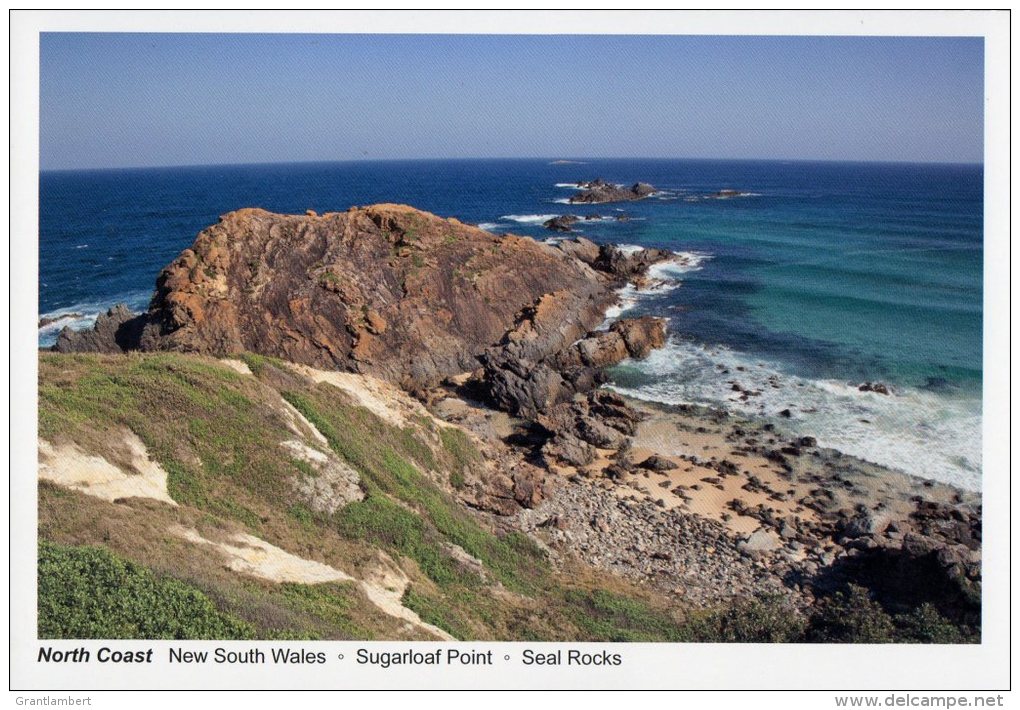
[629,337]
[641,335]
[387,289]
[403,295]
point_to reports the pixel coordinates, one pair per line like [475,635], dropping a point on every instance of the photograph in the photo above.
[589,338]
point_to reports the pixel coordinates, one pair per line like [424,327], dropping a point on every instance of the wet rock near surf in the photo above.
[115,331]
[528,379]
[628,265]
[599,191]
[563,223]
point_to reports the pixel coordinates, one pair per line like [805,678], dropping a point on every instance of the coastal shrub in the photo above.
[605,616]
[457,479]
[204,423]
[332,603]
[768,619]
[460,448]
[926,625]
[851,616]
[258,363]
[411,444]
[447,612]
[88,592]
[387,524]
[302,514]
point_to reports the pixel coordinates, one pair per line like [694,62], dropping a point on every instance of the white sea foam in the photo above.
[528,218]
[629,249]
[683,262]
[626,298]
[490,226]
[571,185]
[732,196]
[663,278]
[921,433]
[562,201]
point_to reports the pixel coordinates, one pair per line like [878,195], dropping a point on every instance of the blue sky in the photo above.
[118,100]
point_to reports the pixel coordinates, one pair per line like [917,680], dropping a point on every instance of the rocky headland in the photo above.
[385,290]
[504,337]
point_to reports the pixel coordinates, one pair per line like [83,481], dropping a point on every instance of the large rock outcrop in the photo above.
[387,290]
[395,292]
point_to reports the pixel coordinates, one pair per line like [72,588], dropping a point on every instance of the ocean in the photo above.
[811,280]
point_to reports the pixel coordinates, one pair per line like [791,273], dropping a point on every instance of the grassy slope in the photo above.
[217,433]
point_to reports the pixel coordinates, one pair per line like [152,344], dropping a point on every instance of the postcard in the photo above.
[619,350]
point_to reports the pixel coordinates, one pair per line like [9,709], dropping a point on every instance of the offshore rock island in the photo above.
[599,191]
[406,417]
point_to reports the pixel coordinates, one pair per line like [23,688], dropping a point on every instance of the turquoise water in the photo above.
[819,277]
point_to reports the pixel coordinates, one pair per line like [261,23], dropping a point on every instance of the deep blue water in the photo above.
[825,275]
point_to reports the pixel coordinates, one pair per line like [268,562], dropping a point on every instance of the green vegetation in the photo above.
[385,456]
[387,524]
[448,613]
[848,616]
[851,616]
[332,603]
[459,446]
[462,453]
[605,615]
[926,625]
[206,424]
[258,363]
[765,620]
[217,433]
[88,592]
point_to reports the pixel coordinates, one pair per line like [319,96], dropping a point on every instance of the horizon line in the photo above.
[550,160]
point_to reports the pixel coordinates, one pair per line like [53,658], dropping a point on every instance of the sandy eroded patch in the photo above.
[251,555]
[384,583]
[237,366]
[299,424]
[335,484]
[386,401]
[68,465]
